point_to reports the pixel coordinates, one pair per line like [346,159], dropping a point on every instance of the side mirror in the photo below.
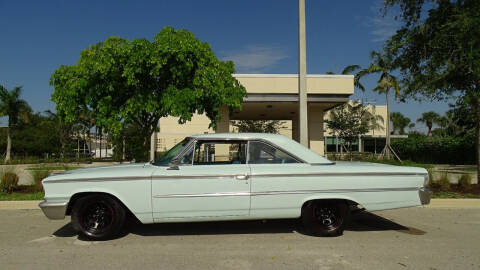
[173,165]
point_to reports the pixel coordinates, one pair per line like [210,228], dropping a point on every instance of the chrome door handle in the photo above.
[241,177]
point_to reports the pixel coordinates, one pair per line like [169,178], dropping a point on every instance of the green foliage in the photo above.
[8,181]
[429,118]
[442,184]
[14,107]
[348,121]
[465,181]
[260,126]
[436,150]
[38,176]
[134,145]
[126,82]
[400,122]
[21,196]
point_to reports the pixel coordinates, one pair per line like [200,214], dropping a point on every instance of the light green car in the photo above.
[234,176]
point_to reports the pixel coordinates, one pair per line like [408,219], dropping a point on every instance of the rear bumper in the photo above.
[54,210]
[425,194]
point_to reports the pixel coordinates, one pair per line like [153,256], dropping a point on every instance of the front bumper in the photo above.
[425,194]
[54,210]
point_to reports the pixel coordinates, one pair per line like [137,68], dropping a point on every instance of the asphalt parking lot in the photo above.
[413,238]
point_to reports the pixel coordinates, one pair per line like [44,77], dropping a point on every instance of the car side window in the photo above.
[187,157]
[262,153]
[220,152]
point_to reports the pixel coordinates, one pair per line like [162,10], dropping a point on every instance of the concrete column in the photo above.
[153,142]
[223,126]
[315,129]
[295,131]
[302,71]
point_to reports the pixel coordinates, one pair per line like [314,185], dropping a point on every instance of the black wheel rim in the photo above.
[328,217]
[97,218]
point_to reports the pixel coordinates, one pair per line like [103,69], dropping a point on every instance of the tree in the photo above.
[137,82]
[260,126]
[351,120]
[382,64]
[429,118]
[400,122]
[14,107]
[438,51]
[350,70]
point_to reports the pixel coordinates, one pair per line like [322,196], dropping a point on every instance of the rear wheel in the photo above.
[325,217]
[98,217]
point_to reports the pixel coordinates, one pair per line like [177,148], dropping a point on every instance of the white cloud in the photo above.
[383,27]
[255,58]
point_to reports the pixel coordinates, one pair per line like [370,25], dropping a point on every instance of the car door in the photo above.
[211,180]
[274,192]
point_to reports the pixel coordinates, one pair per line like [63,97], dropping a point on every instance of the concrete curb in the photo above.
[19,205]
[434,203]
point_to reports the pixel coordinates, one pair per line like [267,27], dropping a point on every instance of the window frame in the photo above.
[220,141]
[193,143]
[273,146]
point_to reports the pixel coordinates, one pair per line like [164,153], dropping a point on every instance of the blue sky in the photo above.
[260,36]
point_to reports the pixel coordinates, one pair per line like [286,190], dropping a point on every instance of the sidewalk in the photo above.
[434,203]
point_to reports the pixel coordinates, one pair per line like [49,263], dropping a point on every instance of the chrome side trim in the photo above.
[104,179]
[220,194]
[54,210]
[226,176]
[341,174]
[289,192]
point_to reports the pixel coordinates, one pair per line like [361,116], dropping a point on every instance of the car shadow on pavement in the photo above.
[363,221]
[366,221]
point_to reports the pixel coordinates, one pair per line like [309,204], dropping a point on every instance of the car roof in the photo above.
[281,141]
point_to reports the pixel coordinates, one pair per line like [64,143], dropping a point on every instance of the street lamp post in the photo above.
[302,70]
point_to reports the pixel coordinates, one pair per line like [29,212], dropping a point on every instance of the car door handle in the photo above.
[241,177]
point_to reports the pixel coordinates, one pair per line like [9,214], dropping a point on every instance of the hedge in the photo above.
[436,150]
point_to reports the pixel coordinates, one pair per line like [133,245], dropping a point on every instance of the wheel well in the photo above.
[351,204]
[77,196]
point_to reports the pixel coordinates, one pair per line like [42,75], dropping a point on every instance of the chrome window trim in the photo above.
[299,160]
[219,140]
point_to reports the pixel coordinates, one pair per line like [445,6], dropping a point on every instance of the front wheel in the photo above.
[98,217]
[325,218]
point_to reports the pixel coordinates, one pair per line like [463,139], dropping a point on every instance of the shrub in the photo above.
[465,181]
[38,176]
[8,182]
[438,150]
[443,182]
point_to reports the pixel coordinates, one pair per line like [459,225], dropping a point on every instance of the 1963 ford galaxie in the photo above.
[239,176]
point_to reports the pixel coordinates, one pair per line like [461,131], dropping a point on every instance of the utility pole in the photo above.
[302,71]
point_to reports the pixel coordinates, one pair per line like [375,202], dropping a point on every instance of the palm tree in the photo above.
[428,118]
[14,107]
[382,65]
[400,122]
[350,70]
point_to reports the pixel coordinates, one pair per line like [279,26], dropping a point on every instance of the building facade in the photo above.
[271,97]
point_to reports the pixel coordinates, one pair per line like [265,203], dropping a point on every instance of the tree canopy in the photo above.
[437,50]
[140,81]
[400,122]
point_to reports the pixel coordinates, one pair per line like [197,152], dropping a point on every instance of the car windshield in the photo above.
[170,154]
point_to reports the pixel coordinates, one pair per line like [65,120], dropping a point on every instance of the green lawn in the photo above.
[20,196]
[454,195]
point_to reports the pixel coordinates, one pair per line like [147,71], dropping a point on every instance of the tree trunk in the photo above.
[9,145]
[476,106]
[387,126]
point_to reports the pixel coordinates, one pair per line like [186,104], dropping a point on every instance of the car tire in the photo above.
[325,217]
[98,217]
